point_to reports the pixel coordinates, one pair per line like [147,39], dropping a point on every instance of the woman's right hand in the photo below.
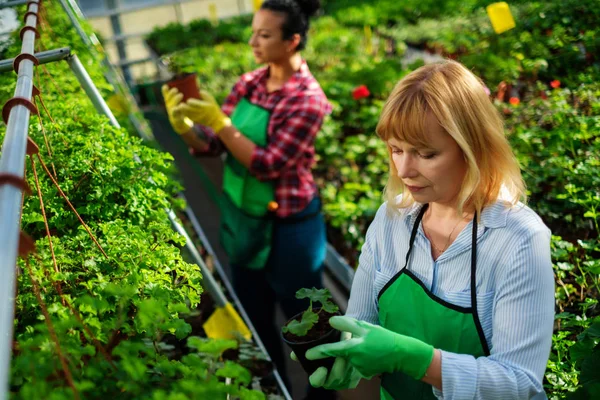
[180,123]
[342,376]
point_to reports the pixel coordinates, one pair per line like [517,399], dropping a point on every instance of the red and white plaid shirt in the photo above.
[297,112]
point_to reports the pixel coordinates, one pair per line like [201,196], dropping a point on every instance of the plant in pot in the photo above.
[185,81]
[311,328]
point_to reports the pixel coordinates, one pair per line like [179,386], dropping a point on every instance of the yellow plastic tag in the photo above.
[212,11]
[257,4]
[369,39]
[501,17]
[224,323]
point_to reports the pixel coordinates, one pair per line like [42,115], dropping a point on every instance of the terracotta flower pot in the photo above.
[186,84]
[321,333]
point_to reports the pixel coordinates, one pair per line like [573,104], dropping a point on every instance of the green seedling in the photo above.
[309,317]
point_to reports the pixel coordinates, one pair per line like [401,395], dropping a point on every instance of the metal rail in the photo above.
[13,3]
[223,276]
[44,57]
[12,163]
[74,14]
[90,89]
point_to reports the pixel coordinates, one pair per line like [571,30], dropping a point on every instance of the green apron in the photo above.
[407,307]
[246,222]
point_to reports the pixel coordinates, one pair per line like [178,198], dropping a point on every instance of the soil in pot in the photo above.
[320,333]
[186,84]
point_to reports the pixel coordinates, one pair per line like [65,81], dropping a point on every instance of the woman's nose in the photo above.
[405,166]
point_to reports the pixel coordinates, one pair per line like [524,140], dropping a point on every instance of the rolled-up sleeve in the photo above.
[215,146]
[522,325]
[292,136]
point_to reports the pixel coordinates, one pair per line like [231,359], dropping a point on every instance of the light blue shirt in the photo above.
[515,294]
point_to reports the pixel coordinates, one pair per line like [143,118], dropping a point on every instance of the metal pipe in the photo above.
[225,280]
[207,278]
[43,57]
[13,3]
[115,23]
[339,268]
[12,161]
[111,75]
[76,23]
[90,89]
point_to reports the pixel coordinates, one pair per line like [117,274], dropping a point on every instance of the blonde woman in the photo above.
[454,294]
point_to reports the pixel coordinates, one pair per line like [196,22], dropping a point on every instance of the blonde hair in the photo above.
[458,100]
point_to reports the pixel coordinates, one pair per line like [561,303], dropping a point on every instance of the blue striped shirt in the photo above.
[515,294]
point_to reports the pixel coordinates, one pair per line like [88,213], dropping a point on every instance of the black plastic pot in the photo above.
[300,348]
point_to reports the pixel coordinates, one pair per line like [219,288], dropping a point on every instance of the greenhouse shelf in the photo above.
[159,124]
[16,113]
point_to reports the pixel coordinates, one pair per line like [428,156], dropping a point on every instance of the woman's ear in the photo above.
[294,42]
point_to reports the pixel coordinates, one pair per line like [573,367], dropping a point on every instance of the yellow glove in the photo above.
[180,123]
[206,111]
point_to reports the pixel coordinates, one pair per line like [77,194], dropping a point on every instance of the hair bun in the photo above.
[309,7]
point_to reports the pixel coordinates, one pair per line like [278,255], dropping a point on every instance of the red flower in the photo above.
[360,92]
[555,84]
[514,101]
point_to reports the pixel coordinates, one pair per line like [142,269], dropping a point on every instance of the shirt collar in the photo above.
[492,216]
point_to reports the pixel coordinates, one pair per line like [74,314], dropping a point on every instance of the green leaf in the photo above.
[301,328]
[214,347]
[236,372]
[330,308]
[315,295]
[247,394]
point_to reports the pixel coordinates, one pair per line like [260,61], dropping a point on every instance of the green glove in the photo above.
[374,350]
[180,123]
[206,111]
[342,376]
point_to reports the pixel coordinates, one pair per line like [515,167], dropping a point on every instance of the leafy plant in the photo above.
[309,317]
[106,319]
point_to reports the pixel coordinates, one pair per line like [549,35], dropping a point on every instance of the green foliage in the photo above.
[120,321]
[200,32]
[309,317]
[555,132]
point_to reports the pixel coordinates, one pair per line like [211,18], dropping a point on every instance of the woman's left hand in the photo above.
[374,350]
[205,111]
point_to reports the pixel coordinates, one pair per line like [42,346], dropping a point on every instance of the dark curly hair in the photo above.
[297,14]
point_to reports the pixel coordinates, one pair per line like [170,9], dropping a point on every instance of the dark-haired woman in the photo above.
[272,228]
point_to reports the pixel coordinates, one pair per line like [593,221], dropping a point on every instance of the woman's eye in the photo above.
[428,156]
[396,151]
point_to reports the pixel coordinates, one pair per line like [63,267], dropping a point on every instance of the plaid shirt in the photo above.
[297,112]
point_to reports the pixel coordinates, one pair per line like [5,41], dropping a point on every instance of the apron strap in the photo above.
[483,341]
[413,234]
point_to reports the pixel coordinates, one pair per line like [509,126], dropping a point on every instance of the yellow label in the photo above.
[369,39]
[226,323]
[257,4]
[500,16]
[212,12]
